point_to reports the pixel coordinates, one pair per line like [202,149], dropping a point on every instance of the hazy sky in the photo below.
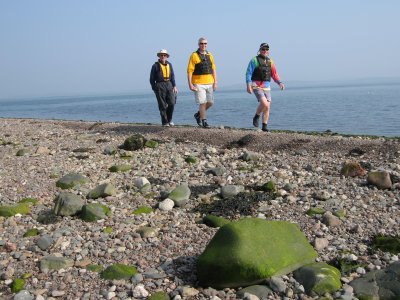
[68,47]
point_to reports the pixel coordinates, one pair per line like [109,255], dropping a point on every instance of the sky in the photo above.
[94,47]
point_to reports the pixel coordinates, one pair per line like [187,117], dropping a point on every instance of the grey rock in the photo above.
[141,182]
[251,156]
[166,205]
[71,180]
[331,220]
[216,171]
[55,263]
[229,191]
[67,204]
[44,242]
[379,284]
[109,150]
[261,291]
[380,179]
[137,278]
[277,284]
[102,191]
[23,295]
[180,193]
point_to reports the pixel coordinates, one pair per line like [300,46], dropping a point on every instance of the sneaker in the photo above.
[205,124]
[165,125]
[264,127]
[256,120]
[197,117]
[171,124]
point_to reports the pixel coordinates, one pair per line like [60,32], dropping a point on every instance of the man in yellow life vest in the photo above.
[202,80]
[162,80]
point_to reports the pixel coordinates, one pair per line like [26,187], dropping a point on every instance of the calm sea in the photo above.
[347,109]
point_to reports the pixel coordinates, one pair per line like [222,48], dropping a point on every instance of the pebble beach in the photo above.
[306,170]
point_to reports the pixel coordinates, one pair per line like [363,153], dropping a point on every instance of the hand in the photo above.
[282,86]
[192,88]
[249,89]
[175,90]
[215,86]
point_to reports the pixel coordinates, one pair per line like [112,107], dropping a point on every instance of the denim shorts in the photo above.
[204,93]
[260,93]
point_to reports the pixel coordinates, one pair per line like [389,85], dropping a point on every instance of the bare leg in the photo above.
[263,108]
[203,108]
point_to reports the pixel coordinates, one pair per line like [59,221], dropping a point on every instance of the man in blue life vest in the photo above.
[202,80]
[162,80]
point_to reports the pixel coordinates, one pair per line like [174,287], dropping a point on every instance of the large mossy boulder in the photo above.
[134,142]
[118,272]
[71,180]
[95,211]
[250,250]
[67,204]
[102,190]
[9,211]
[380,179]
[318,278]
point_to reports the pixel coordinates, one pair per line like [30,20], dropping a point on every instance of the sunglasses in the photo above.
[202,43]
[163,55]
[264,49]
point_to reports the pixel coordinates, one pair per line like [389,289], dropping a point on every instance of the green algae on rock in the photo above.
[118,272]
[17,285]
[190,159]
[95,211]
[387,243]
[251,250]
[71,180]
[159,296]
[28,200]
[120,168]
[9,211]
[315,211]
[151,144]
[31,232]
[134,142]
[318,278]
[142,210]
[94,268]
[102,190]
[214,221]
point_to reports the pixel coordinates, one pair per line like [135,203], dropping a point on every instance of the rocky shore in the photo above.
[164,241]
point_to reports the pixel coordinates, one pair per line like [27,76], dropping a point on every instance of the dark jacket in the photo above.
[156,74]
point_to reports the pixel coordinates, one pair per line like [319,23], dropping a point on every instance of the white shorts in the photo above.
[204,93]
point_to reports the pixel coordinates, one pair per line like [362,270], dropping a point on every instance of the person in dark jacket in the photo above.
[162,80]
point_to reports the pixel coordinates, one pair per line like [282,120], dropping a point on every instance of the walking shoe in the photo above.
[171,124]
[256,120]
[165,125]
[205,124]
[264,127]
[197,117]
